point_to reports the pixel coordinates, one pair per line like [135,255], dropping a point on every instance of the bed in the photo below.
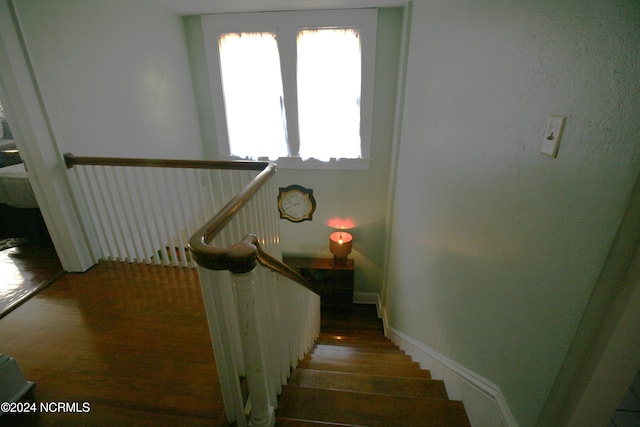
[19,212]
[15,189]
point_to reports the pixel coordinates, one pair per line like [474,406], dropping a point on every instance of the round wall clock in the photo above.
[296,203]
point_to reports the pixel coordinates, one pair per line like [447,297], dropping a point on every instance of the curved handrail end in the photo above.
[241,257]
[207,256]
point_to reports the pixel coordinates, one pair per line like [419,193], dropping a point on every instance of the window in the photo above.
[296,87]
[252,87]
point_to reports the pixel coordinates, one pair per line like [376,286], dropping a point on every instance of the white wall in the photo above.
[104,78]
[495,248]
[32,133]
[114,77]
[359,196]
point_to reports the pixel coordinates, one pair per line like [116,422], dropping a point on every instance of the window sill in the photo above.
[333,164]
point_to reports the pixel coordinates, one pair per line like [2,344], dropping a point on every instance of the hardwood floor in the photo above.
[131,344]
[130,340]
[25,269]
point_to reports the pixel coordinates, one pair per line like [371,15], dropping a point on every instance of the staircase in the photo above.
[355,376]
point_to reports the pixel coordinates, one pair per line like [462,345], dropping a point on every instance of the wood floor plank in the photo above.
[381,362]
[416,387]
[131,340]
[342,353]
[371,370]
[363,349]
[369,409]
[288,422]
[25,270]
[355,376]
[357,343]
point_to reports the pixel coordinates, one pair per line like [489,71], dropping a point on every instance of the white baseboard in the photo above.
[484,402]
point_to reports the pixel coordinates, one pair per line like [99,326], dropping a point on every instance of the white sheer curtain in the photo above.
[328,73]
[253,96]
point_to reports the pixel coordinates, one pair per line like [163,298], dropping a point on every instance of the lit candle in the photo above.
[340,246]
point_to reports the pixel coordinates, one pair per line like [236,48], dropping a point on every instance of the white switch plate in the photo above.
[552,135]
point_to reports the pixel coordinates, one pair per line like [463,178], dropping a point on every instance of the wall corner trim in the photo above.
[484,402]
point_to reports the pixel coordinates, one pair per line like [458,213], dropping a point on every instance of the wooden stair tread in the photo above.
[379,384]
[360,361]
[362,349]
[369,409]
[290,422]
[354,376]
[342,353]
[370,370]
[360,330]
[358,344]
[355,336]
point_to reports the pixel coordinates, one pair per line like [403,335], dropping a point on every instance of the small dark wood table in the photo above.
[334,283]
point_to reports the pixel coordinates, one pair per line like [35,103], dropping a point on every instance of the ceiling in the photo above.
[199,7]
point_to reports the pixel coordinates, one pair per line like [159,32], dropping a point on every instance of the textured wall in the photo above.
[496,248]
[114,77]
[357,196]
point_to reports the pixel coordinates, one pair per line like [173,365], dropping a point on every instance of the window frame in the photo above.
[286,26]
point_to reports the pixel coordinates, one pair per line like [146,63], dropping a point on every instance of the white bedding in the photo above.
[15,189]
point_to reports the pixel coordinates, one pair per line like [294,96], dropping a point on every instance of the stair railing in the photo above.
[261,320]
[145,210]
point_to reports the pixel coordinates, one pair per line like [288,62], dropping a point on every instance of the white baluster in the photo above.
[166,214]
[176,202]
[84,210]
[129,212]
[281,344]
[262,412]
[267,322]
[99,176]
[230,307]
[162,225]
[111,207]
[147,212]
[135,202]
[97,214]
[221,337]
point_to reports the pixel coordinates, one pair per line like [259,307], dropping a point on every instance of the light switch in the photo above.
[552,135]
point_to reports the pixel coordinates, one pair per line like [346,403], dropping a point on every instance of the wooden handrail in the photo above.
[276,265]
[215,258]
[72,160]
[242,256]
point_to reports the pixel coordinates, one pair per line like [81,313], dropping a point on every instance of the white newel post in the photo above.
[262,412]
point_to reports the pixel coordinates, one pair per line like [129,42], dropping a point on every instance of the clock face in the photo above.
[296,203]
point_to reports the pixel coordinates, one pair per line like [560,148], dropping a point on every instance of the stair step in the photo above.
[289,422]
[363,344]
[353,408]
[364,369]
[352,320]
[355,377]
[379,384]
[373,330]
[358,343]
[355,336]
[361,361]
[351,349]
[341,353]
